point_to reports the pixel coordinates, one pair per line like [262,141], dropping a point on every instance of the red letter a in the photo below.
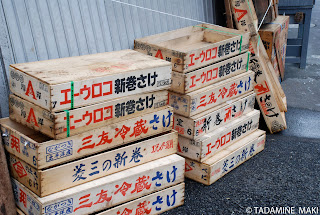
[30,90]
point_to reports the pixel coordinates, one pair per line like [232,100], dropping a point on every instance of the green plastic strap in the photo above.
[223,32]
[248,61]
[68,122]
[216,30]
[240,44]
[258,45]
[250,8]
[72,94]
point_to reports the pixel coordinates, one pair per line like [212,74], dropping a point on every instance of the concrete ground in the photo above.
[287,172]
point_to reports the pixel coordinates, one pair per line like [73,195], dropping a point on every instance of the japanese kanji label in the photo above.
[204,99]
[191,81]
[81,171]
[84,118]
[269,94]
[55,84]
[205,122]
[41,152]
[244,15]
[195,46]
[216,167]
[106,192]
[208,145]
[155,203]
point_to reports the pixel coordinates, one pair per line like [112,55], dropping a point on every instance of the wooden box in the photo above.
[245,16]
[64,124]
[274,37]
[106,192]
[228,159]
[90,168]
[206,122]
[269,94]
[67,83]
[170,198]
[41,152]
[208,145]
[193,47]
[203,99]
[191,81]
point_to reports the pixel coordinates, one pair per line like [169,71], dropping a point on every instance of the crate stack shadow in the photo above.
[93,134]
[212,97]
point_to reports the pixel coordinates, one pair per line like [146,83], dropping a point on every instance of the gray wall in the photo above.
[33,30]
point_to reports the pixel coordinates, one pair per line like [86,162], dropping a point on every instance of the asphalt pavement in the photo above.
[287,172]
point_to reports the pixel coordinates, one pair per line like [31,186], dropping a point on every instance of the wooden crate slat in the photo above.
[205,122]
[84,118]
[210,144]
[245,17]
[171,198]
[200,78]
[42,152]
[272,102]
[225,161]
[203,99]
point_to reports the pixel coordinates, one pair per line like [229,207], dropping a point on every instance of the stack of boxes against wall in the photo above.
[88,109]
[212,97]
[269,93]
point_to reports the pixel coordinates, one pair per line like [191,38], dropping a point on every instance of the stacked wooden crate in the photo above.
[211,95]
[88,134]
[269,93]
[274,36]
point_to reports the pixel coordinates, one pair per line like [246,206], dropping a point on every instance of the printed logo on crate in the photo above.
[58,151]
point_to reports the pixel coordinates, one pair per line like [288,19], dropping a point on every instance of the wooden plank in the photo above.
[116,189]
[200,78]
[193,47]
[276,33]
[206,122]
[19,212]
[208,145]
[81,171]
[244,15]
[265,94]
[41,152]
[203,99]
[225,161]
[267,67]
[229,18]
[170,198]
[82,119]
[95,78]
[7,206]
